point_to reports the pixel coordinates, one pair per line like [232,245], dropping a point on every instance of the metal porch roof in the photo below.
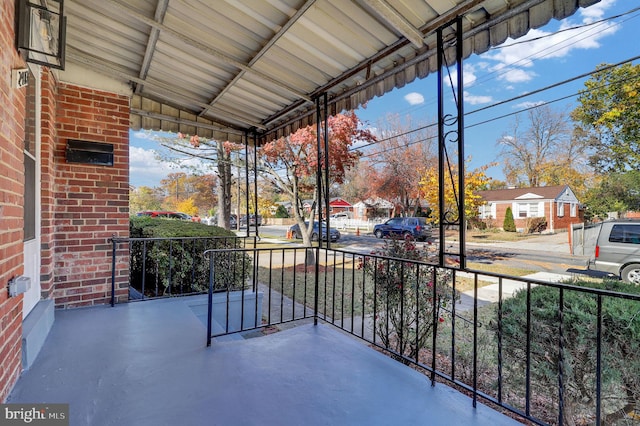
[219,68]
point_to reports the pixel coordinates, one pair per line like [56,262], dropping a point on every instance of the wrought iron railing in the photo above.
[550,353]
[523,353]
[168,267]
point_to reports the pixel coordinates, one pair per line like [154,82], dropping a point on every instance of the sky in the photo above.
[555,53]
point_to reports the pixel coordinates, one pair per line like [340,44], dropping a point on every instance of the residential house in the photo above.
[336,205]
[558,204]
[372,208]
[339,205]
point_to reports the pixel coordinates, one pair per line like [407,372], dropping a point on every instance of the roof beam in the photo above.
[179,120]
[206,49]
[264,49]
[161,10]
[102,68]
[397,21]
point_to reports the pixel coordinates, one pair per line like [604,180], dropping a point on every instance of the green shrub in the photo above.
[509,224]
[281,212]
[402,295]
[620,350]
[175,262]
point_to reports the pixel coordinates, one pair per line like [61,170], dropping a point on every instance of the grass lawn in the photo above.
[491,236]
[340,285]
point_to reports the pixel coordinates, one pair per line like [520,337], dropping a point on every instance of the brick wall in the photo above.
[91,201]
[12,103]
[559,223]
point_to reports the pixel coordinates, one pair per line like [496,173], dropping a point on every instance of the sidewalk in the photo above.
[556,243]
[491,293]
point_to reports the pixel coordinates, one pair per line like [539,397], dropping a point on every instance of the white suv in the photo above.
[618,250]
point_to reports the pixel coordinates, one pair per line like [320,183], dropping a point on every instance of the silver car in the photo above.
[617,250]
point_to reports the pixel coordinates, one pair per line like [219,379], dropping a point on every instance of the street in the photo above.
[544,253]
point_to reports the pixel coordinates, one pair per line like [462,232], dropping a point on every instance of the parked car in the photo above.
[253,219]
[233,221]
[165,214]
[340,216]
[333,233]
[169,215]
[617,250]
[404,227]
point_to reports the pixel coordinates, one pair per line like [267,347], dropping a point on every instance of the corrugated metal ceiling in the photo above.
[219,68]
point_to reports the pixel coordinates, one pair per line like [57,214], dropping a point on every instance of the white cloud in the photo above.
[414,98]
[476,100]
[145,135]
[514,57]
[525,105]
[597,11]
[146,169]
[469,74]
[516,75]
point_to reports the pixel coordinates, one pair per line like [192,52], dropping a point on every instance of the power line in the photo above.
[506,69]
[515,98]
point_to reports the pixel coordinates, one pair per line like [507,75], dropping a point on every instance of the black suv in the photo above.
[404,227]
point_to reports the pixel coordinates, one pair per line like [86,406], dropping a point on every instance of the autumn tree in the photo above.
[187,206]
[357,182]
[615,192]
[211,152]
[178,187]
[220,153]
[609,115]
[399,158]
[541,151]
[290,163]
[145,198]
[475,180]
[205,197]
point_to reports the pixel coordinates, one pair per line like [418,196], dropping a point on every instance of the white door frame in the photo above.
[31,251]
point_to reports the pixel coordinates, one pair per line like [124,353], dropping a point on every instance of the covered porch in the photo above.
[147,363]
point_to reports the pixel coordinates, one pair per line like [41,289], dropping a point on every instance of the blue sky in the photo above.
[541,58]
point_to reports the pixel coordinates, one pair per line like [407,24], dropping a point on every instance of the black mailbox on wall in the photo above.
[89,152]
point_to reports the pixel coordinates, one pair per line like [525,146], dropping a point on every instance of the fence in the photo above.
[553,353]
[583,238]
[168,267]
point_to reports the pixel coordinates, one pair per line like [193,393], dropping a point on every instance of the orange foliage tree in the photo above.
[290,163]
[398,159]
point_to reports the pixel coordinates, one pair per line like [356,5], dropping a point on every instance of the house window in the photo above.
[522,210]
[528,210]
[560,209]
[574,208]
[485,211]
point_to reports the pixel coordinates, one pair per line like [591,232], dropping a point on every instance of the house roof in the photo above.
[541,192]
[339,202]
[378,203]
[222,68]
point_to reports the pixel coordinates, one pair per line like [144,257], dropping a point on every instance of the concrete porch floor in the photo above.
[146,363]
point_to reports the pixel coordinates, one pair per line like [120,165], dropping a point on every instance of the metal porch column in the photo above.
[451,130]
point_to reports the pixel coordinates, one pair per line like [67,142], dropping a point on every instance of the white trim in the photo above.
[31,249]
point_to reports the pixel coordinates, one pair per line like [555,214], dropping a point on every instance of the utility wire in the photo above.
[506,68]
